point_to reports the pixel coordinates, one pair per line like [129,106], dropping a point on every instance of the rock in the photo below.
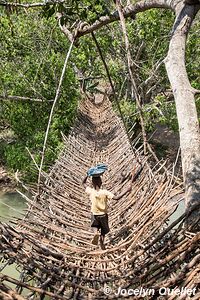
[7,182]
[166,144]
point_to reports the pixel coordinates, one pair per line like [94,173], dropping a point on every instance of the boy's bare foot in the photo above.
[102,237]
[95,239]
[102,246]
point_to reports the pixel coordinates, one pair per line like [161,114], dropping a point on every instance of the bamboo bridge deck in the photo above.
[52,244]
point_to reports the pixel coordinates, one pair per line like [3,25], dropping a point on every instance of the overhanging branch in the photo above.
[21,98]
[29,5]
[196,92]
[128,11]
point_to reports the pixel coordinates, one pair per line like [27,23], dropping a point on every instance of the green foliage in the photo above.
[32,54]
[149,39]
[32,57]
[160,111]
[73,10]
[150,33]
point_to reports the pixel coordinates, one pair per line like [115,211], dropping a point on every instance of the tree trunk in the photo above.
[186,112]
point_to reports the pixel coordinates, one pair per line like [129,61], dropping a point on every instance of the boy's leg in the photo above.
[95,226]
[104,230]
[102,238]
[95,239]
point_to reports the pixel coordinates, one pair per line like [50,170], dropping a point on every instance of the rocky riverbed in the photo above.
[7,182]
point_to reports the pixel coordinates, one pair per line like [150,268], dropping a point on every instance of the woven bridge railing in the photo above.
[52,245]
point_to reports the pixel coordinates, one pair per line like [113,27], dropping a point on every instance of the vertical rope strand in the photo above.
[130,64]
[51,113]
[114,93]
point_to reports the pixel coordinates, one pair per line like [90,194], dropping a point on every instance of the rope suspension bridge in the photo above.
[52,246]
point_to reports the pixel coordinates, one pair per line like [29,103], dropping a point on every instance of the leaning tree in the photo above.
[79,18]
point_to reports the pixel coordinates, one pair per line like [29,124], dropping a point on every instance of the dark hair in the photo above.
[96,181]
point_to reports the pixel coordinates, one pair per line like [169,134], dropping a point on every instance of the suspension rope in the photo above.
[51,113]
[130,64]
[114,94]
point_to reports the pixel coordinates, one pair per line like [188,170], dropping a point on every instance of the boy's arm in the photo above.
[134,176]
[117,197]
[84,181]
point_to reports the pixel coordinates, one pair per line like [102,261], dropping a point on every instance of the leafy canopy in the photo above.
[32,54]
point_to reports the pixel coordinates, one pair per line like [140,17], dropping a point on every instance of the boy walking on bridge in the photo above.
[99,201]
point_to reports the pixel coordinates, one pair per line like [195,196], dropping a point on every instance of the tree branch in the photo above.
[64,28]
[29,5]
[20,98]
[128,11]
[186,109]
[196,92]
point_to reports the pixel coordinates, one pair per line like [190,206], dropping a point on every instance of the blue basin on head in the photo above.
[97,171]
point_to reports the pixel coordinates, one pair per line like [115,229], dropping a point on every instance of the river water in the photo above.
[11,205]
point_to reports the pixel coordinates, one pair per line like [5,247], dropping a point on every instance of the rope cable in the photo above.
[52,111]
[130,63]
[114,94]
